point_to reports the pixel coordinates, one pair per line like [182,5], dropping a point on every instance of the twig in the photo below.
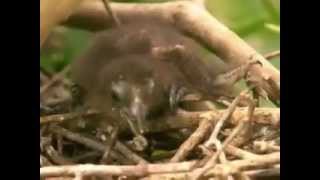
[235,151]
[131,156]
[272,55]
[113,140]
[220,123]
[59,118]
[213,160]
[264,146]
[246,132]
[261,161]
[78,176]
[103,170]
[56,78]
[50,17]
[87,142]
[115,19]
[196,137]
[44,161]
[86,156]
[275,171]
[55,157]
[241,176]
[231,167]
[183,119]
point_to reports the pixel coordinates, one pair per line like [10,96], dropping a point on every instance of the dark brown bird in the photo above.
[141,70]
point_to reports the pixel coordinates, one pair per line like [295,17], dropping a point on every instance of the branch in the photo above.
[180,170]
[197,136]
[183,119]
[126,152]
[103,170]
[50,17]
[193,20]
[272,55]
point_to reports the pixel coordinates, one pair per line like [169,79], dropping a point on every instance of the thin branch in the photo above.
[44,161]
[213,160]
[113,140]
[262,161]
[131,156]
[246,133]
[272,55]
[265,146]
[56,78]
[221,121]
[50,17]
[235,151]
[111,13]
[56,157]
[275,171]
[179,170]
[103,170]
[196,137]
[59,118]
[183,119]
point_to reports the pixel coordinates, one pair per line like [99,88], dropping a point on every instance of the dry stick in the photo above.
[44,161]
[188,17]
[235,151]
[264,172]
[263,116]
[196,137]
[263,146]
[133,157]
[87,142]
[220,123]
[56,78]
[59,144]
[50,17]
[103,170]
[236,166]
[213,138]
[59,118]
[213,160]
[246,133]
[78,176]
[252,105]
[86,156]
[231,167]
[113,140]
[241,176]
[222,157]
[55,157]
[157,169]
[272,55]
[115,19]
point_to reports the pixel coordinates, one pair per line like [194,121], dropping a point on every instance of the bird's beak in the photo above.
[135,116]
[138,111]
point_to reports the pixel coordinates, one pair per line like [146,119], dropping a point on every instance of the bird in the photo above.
[141,70]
